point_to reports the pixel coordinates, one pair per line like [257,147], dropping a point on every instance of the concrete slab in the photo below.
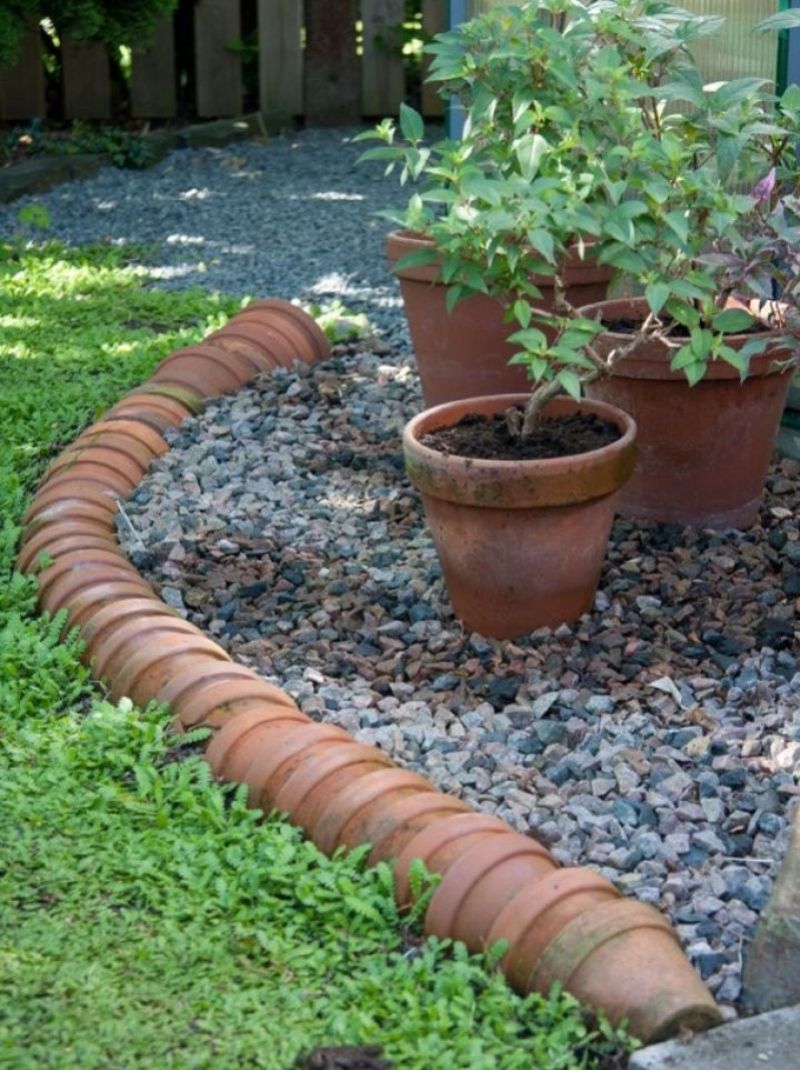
[770,1040]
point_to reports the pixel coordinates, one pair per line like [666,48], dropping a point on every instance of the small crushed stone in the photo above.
[657,740]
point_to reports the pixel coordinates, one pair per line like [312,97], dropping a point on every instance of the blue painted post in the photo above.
[456,13]
[791,72]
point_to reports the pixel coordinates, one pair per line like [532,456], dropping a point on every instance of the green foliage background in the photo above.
[114,21]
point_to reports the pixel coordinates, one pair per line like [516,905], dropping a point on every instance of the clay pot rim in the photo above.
[304,320]
[526,483]
[651,360]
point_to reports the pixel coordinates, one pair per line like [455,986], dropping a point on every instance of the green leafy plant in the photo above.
[588,127]
[340,323]
[116,22]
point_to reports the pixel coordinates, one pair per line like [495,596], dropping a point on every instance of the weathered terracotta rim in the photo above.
[650,360]
[399,243]
[191,669]
[474,481]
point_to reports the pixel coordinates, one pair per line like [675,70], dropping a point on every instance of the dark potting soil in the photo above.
[488,438]
[629,326]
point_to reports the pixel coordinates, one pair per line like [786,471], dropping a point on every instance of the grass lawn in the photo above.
[147,918]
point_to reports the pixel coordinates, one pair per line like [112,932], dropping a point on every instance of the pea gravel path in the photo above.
[656,740]
[292,217]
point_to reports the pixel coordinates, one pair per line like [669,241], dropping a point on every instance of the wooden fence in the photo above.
[86,90]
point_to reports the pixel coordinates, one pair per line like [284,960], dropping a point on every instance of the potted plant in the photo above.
[461,335]
[687,191]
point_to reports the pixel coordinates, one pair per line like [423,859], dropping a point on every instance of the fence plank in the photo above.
[434,20]
[382,75]
[153,89]
[87,79]
[331,70]
[22,86]
[218,69]
[280,50]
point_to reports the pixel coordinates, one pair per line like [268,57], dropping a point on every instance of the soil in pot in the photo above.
[480,436]
[704,451]
[521,542]
[465,353]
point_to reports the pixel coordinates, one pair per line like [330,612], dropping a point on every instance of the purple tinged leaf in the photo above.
[765,188]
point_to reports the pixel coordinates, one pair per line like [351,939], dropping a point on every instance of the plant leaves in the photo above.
[411,124]
[733,321]
[657,294]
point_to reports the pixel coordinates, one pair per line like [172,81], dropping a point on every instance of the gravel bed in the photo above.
[656,740]
[291,217]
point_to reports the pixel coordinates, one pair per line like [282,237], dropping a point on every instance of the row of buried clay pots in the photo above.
[561,924]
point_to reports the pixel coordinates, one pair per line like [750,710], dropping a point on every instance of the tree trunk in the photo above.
[332,69]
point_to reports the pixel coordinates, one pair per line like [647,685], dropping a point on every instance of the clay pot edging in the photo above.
[342,791]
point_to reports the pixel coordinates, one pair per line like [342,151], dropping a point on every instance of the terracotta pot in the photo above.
[464,353]
[478,885]
[155,661]
[408,817]
[521,543]
[257,758]
[152,414]
[286,340]
[218,702]
[280,313]
[63,592]
[193,681]
[234,736]
[116,461]
[103,432]
[54,548]
[704,451]
[108,619]
[208,375]
[305,781]
[624,956]
[441,843]
[192,400]
[71,510]
[110,652]
[85,603]
[58,539]
[73,494]
[262,745]
[62,589]
[79,560]
[246,355]
[258,352]
[538,911]
[95,479]
[306,796]
[339,823]
[114,445]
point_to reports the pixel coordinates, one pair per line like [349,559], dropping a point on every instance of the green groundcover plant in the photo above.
[147,917]
[588,126]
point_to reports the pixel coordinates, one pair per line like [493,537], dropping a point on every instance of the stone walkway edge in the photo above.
[564,924]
